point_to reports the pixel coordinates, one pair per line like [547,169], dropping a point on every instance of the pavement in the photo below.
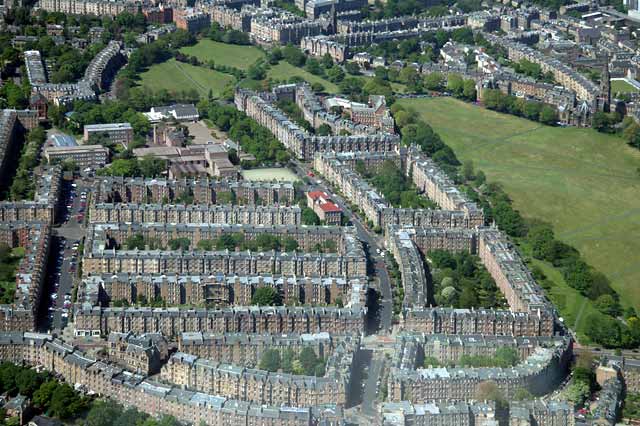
[200,132]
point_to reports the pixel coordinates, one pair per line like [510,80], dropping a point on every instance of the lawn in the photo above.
[232,55]
[176,76]
[621,86]
[284,71]
[584,183]
[280,174]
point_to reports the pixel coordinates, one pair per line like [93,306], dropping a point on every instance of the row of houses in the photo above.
[221,290]
[145,393]
[195,213]
[297,140]
[21,313]
[200,191]
[171,322]
[520,413]
[458,211]
[98,75]
[244,349]
[496,253]
[160,235]
[260,386]
[544,368]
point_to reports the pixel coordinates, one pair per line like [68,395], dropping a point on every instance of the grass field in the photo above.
[175,76]
[621,86]
[582,182]
[284,71]
[232,55]
[270,174]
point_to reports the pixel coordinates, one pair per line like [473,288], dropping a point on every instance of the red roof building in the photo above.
[328,211]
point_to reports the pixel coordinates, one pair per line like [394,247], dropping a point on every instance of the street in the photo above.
[65,252]
[370,239]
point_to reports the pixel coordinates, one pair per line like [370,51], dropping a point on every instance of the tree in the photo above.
[309,360]
[28,381]
[608,305]
[65,402]
[449,295]
[522,394]
[290,244]
[434,81]
[309,217]
[335,74]
[455,84]
[324,130]
[578,392]
[102,413]
[469,90]
[130,416]
[548,115]
[266,296]
[506,356]
[135,242]
[42,397]
[489,391]
[467,170]
[270,360]
[179,244]
[293,55]
[256,72]
[313,66]
[205,245]
[14,95]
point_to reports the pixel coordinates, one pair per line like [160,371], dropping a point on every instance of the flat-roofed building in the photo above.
[93,156]
[117,133]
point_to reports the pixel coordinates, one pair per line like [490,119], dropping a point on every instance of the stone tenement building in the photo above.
[364,119]
[458,413]
[204,191]
[284,27]
[43,207]
[143,354]
[449,349]
[220,290]
[296,139]
[436,185]
[497,254]
[509,272]
[101,255]
[260,386]
[364,34]
[338,170]
[104,66]
[566,76]
[101,236]
[98,75]
[488,322]
[34,238]
[10,133]
[541,413]
[171,322]
[148,395]
[88,7]
[536,412]
[412,272]
[542,369]
[111,261]
[247,349]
